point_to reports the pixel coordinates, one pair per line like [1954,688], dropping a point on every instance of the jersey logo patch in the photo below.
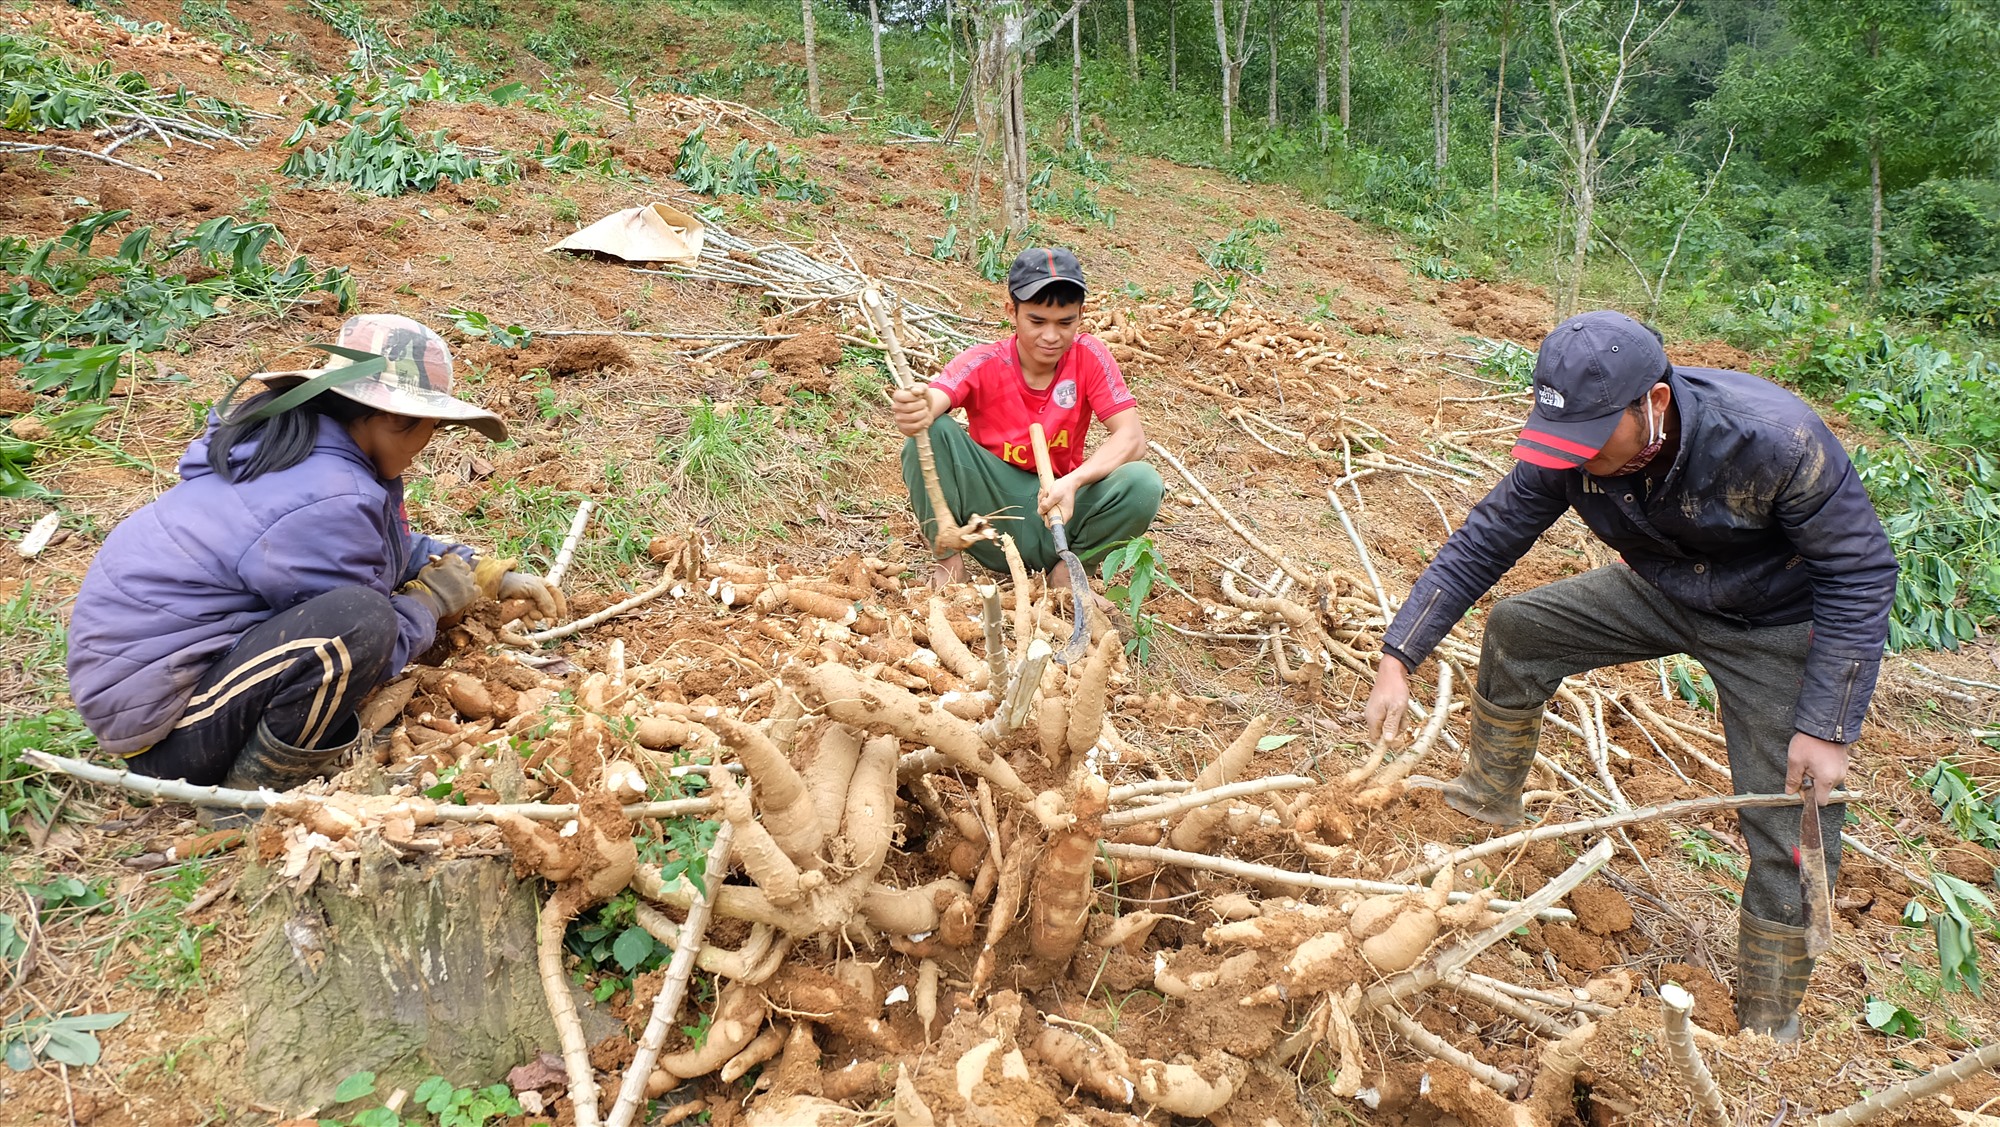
[1065,394]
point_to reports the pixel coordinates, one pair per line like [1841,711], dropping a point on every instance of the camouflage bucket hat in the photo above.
[414,377]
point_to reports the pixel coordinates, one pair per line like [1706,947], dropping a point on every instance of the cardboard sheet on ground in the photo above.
[653,233]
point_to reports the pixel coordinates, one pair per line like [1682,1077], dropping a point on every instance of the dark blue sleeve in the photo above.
[1825,512]
[1497,533]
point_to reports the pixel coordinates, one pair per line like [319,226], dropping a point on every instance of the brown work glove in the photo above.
[445,585]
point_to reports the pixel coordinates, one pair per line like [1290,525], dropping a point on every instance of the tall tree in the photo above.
[1346,11]
[1173,49]
[812,59]
[1319,70]
[1232,64]
[1870,96]
[1271,113]
[1503,30]
[998,103]
[1132,35]
[875,45]
[1441,98]
[1597,47]
[1075,81]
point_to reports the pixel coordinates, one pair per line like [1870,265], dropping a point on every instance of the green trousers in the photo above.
[1115,509]
[1610,616]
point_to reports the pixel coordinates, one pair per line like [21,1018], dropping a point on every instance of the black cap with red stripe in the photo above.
[1035,267]
[1589,370]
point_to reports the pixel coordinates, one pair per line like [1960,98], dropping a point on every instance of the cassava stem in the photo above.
[667,1006]
[1676,1004]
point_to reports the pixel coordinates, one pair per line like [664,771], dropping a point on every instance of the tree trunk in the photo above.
[1173,49]
[1132,35]
[406,969]
[1016,169]
[1271,113]
[1319,69]
[997,105]
[812,59]
[1874,216]
[1441,105]
[1076,82]
[1570,292]
[1499,92]
[950,44]
[1228,74]
[1346,10]
[875,45]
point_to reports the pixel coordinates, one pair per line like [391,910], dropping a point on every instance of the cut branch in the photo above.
[1917,1087]
[1608,822]
[1676,1004]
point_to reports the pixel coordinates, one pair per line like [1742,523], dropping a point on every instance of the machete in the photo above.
[1079,581]
[1810,856]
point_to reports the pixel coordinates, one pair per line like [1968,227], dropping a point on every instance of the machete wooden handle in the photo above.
[1040,442]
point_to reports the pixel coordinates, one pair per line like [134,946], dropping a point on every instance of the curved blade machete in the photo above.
[1079,581]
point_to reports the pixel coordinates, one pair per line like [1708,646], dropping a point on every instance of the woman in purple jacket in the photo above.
[227,632]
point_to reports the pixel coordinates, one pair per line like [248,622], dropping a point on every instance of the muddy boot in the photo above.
[1772,969]
[1497,758]
[272,764]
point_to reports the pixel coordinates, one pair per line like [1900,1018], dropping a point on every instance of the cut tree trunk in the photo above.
[408,970]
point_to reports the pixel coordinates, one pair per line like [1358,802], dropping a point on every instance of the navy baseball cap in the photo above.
[1035,267]
[1589,370]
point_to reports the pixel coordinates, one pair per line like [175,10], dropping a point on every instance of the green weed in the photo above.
[438,1100]
[722,449]
[990,255]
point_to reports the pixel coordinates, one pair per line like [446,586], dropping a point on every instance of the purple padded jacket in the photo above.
[178,582]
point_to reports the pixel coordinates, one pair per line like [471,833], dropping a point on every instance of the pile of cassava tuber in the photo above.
[946,853]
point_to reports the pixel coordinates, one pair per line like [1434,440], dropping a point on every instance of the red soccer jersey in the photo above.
[986,380]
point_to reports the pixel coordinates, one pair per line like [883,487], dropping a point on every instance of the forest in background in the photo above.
[1812,180]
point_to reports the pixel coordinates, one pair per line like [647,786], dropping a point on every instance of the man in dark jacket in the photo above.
[1746,540]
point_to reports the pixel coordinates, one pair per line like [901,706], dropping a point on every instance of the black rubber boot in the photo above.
[269,763]
[1772,971]
[1497,758]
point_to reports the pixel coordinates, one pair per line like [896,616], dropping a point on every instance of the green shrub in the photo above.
[390,160]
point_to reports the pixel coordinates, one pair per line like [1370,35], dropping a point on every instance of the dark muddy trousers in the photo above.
[303,672]
[1610,616]
[1108,512]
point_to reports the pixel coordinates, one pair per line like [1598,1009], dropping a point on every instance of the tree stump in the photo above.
[406,969]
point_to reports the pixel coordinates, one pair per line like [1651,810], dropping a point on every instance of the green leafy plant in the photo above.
[441,1103]
[1130,571]
[989,253]
[747,171]
[1975,819]
[1215,298]
[68,1039]
[1965,910]
[478,325]
[381,156]
[72,317]
[1892,1020]
[1238,252]
[46,92]
[1691,682]
[611,947]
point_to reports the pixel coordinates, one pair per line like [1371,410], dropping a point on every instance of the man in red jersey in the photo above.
[1047,373]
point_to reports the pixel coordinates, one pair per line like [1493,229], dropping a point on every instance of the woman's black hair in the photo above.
[283,440]
[1058,292]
